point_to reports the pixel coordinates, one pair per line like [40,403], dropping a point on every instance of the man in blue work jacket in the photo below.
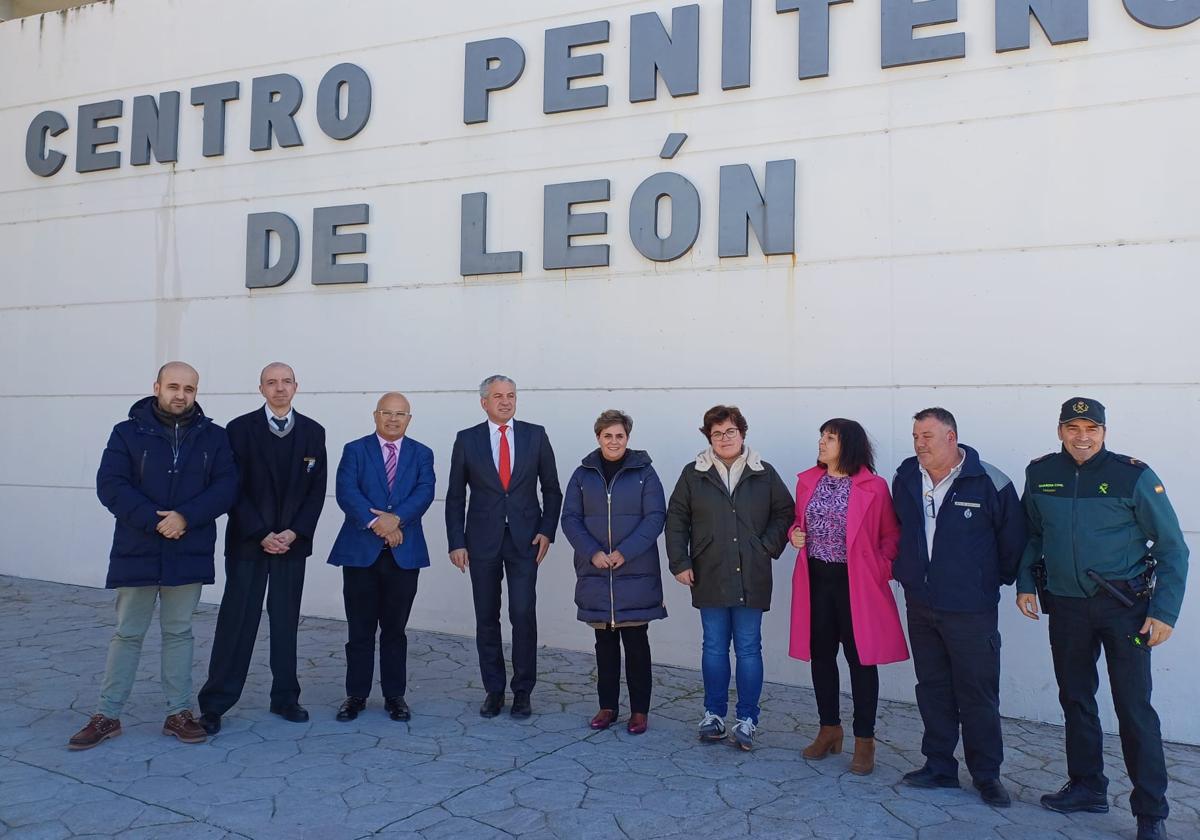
[962,531]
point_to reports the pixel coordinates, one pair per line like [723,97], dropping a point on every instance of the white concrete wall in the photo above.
[993,235]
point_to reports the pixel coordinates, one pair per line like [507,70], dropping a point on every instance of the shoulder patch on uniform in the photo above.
[999,479]
[1158,488]
[1133,462]
[1043,457]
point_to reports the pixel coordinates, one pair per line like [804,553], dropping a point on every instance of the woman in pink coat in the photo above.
[848,535]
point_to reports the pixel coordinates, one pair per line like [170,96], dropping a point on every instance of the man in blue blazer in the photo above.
[504,533]
[384,485]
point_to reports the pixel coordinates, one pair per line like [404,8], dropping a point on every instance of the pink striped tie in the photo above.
[389,463]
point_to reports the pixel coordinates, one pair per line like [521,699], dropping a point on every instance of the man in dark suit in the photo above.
[280,455]
[506,532]
[384,485]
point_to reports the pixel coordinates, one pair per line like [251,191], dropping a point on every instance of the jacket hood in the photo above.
[142,412]
[707,458]
[634,459]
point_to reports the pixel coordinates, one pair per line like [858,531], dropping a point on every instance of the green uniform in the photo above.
[1100,515]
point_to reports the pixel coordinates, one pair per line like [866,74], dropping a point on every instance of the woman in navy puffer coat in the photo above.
[614,509]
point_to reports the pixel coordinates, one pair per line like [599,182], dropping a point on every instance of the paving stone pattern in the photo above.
[451,774]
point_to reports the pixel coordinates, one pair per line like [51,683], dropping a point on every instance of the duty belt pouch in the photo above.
[1044,596]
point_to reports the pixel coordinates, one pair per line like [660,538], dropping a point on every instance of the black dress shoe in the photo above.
[1151,828]
[520,707]
[1075,797]
[351,706]
[492,704]
[992,792]
[927,778]
[211,723]
[396,708]
[290,711]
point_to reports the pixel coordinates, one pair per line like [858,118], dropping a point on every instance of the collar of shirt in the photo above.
[383,442]
[927,479]
[494,428]
[494,435]
[271,414]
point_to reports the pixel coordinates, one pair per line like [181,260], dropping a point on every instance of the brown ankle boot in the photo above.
[828,741]
[864,757]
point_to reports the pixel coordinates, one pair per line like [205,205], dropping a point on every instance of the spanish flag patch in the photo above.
[1158,488]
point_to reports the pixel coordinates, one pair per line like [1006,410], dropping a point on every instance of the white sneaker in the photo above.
[712,727]
[743,733]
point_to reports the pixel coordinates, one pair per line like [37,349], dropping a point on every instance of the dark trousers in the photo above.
[246,581]
[519,565]
[957,659]
[379,598]
[637,667]
[829,609]
[1078,629]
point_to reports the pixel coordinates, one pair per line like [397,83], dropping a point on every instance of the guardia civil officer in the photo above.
[1091,515]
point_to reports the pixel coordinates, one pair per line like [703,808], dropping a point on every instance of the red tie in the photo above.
[505,459]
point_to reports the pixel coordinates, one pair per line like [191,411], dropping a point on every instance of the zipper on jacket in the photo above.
[174,463]
[142,467]
[1074,528]
[612,599]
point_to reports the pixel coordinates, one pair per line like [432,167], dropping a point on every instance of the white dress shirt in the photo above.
[933,496]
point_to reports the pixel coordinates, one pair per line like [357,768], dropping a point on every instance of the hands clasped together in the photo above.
[387,527]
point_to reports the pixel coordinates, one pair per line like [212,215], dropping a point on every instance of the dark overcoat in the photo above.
[626,517]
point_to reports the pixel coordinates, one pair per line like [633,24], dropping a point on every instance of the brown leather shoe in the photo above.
[637,724]
[184,727]
[98,729]
[603,719]
[827,742]
[863,763]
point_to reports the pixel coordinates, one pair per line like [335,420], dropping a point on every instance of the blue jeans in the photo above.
[742,626]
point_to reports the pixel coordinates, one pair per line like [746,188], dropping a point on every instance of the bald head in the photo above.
[172,368]
[392,415]
[176,387]
[277,383]
[275,369]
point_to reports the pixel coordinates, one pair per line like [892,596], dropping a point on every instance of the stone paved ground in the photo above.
[451,774]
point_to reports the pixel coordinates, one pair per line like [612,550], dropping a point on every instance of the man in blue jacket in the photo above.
[166,475]
[962,535]
[384,486]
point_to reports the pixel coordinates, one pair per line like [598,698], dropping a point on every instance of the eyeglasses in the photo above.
[728,434]
[393,415]
[930,507]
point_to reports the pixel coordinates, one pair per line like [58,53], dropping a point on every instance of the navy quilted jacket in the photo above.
[627,519]
[147,467]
